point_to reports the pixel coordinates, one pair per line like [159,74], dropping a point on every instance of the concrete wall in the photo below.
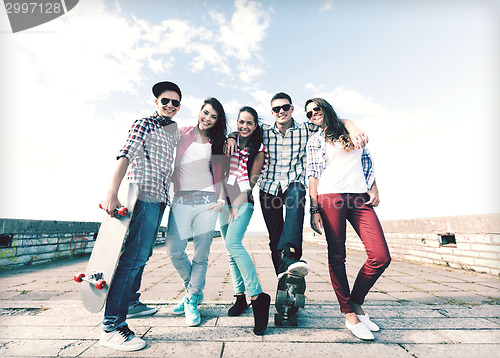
[476,247]
[26,242]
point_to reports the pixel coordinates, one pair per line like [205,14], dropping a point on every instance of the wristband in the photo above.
[314,210]
[221,201]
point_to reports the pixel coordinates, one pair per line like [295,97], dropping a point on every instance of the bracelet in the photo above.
[314,210]
[221,201]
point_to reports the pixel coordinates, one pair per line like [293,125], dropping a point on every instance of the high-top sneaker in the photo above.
[290,264]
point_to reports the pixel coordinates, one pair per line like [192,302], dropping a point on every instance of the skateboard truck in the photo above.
[119,212]
[94,279]
[289,298]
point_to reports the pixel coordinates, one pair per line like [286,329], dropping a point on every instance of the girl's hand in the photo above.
[374,198]
[217,207]
[317,223]
[233,214]
[230,147]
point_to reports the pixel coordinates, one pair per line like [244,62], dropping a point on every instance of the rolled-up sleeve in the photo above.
[315,156]
[368,168]
[135,140]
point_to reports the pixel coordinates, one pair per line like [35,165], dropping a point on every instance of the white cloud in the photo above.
[241,37]
[328,5]
[349,102]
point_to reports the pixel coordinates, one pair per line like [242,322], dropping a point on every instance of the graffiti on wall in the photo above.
[77,245]
[9,254]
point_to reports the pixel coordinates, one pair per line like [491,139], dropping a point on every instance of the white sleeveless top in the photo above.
[343,171]
[194,168]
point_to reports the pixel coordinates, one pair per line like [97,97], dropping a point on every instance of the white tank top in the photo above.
[343,171]
[194,168]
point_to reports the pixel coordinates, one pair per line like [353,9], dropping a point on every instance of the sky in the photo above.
[420,77]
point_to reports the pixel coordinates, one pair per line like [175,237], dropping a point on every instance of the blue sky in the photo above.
[420,77]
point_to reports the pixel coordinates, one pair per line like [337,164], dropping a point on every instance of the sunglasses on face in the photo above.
[286,108]
[310,113]
[164,101]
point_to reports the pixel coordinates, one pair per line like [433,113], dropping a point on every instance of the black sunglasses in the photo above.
[286,108]
[310,113]
[164,101]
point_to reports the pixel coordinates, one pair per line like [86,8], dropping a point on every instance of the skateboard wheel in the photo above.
[281,297]
[278,319]
[300,300]
[122,211]
[100,284]
[79,277]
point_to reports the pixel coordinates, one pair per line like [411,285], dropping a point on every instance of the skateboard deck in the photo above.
[289,298]
[96,280]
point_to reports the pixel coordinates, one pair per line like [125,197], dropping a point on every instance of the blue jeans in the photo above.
[240,264]
[287,232]
[138,247]
[191,220]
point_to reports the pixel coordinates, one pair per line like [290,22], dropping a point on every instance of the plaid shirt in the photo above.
[287,156]
[150,153]
[316,151]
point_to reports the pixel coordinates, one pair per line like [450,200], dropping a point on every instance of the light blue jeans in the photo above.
[191,220]
[240,263]
[138,246]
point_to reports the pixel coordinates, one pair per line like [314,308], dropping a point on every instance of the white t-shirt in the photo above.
[343,171]
[194,168]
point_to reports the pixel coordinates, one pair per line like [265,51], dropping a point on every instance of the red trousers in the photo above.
[335,210]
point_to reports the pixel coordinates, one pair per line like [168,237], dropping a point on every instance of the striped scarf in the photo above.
[238,167]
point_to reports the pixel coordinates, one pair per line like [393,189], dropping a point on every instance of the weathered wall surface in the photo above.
[25,242]
[465,242]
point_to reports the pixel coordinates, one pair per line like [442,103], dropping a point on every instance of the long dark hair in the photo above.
[333,128]
[217,134]
[256,137]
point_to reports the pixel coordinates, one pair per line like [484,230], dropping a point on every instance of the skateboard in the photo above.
[289,298]
[97,278]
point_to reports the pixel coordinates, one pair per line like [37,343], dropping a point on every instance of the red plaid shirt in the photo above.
[150,153]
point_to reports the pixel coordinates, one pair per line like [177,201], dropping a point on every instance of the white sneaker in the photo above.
[365,319]
[298,268]
[360,331]
[122,339]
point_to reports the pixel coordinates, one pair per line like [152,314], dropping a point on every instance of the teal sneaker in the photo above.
[193,317]
[179,308]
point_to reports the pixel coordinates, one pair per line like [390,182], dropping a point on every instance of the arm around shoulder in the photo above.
[358,137]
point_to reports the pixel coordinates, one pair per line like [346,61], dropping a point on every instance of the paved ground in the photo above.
[423,311]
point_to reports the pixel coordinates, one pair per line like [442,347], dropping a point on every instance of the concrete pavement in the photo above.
[423,311]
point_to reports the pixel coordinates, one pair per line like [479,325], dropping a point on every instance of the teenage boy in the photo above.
[146,158]
[283,184]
